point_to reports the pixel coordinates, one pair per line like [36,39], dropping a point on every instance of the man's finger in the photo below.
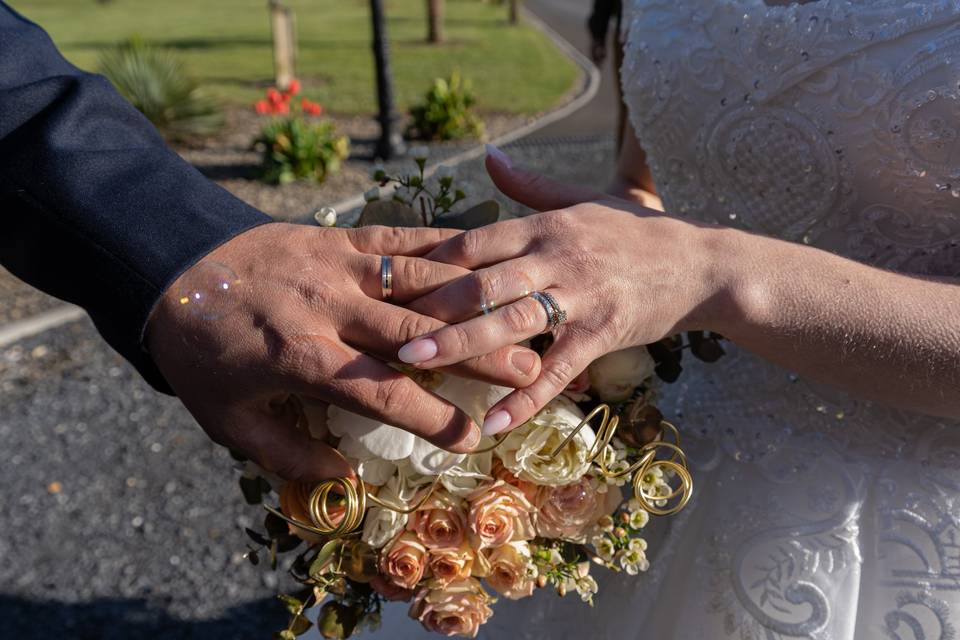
[533,189]
[334,372]
[410,277]
[381,329]
[398,241]
[269,436]
[487,245]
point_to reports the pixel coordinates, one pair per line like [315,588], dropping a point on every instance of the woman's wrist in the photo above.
[728,288]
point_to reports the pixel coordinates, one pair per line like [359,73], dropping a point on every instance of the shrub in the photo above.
[446,113]
[155,82]
[295,146]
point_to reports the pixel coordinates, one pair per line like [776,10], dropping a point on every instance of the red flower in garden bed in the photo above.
[279,102]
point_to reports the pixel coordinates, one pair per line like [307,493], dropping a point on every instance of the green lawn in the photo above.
[226,43]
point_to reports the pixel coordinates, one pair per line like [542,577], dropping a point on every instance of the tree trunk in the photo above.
[434,21]
[514,11]
[283,28]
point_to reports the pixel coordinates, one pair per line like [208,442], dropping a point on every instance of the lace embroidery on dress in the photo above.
[836,124]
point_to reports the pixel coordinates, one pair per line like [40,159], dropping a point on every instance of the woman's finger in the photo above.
[410,277]
[324,368]
[563,362]
[505,326]
[481,292]
[398,241]
[533,189]
[381,329]
[487,245]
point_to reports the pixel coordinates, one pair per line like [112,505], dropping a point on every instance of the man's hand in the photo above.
[285,310]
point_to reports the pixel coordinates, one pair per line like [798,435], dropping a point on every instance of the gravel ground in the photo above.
[119,518]
[19,300]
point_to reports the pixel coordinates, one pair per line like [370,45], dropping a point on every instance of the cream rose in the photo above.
[382,525]
[510,570]
[615,376]
[363,439]
[440,522]
[404,561]
[526,451]
[573,512]
[500,513]
[455,610]
[451,564]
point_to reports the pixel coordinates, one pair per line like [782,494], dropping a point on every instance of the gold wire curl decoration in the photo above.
[355,496]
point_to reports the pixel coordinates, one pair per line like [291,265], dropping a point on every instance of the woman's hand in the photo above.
[285,310]
[625,276]
[628,275]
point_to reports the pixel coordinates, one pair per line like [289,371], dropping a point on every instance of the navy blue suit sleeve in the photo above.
[94,207]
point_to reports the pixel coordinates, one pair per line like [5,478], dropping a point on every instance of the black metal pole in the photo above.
[390,143]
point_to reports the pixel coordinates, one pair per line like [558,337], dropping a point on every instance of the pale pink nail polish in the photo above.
[496,422]
[419,350]
[499,156]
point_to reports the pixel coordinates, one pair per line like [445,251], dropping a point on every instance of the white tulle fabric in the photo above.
[837,124]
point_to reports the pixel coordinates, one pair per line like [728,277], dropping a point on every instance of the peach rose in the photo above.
[440,523]
[509,570]
[404,561]
[572,511]
[390,591]
[500,513]
[451,564]
[294,498]
[455,610]
[500,472]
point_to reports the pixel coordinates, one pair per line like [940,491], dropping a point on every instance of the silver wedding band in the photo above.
[555,315]
[386,278]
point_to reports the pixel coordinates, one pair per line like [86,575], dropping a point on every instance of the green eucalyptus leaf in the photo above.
[300,625]
[256,537]
[477,216]
[337,621]
[705,347]
[667,360]
[251,489]
[286,634]
[389,213]
[294,606]
[320,564]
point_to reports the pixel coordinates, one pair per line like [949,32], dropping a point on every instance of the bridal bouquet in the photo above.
[451,533]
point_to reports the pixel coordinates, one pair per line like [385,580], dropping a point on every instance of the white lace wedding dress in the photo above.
[834,123]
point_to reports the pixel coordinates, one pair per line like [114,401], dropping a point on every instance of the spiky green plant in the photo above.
[155,81]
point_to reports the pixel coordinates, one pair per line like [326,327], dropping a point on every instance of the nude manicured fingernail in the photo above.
[420,350]
[523,361]
[499,156]
[496,422]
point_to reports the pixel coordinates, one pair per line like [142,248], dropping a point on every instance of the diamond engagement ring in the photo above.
[386,278]
[555,315]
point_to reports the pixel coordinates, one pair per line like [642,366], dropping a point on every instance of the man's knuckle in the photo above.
[558,373]
[413,326]
[393,397]
[519,318]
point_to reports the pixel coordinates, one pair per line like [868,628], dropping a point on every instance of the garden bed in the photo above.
[229,160]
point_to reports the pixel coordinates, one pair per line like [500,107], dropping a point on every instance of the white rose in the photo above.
[526,451]
[366,439]
[615,376]
[382,525]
